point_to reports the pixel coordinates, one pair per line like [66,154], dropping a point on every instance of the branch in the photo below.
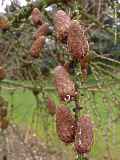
[95,55]
[21,85]
[31,87]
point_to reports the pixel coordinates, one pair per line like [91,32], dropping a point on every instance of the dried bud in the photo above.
[62,23]
[51,106]
[2,73]
[3,111]
[77,41]
[84,135]
[63,83]
[65,124]
[4,23]
[42,31]
[37,17]
[84,66]
[4,123]
[37,46]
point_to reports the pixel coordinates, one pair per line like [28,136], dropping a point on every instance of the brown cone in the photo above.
[2,73]
[65,86]
[4,23]
[77,41]
[78,45]
[37,17]
[84,135]
[42,30]
[37,46]
[61,23]
[51,106]
[65,124]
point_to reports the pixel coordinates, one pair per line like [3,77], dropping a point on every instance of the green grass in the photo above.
[101,113]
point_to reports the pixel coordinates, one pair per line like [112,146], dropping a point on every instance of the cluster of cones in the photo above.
[67,31]
[39,37]
[70,32]
[73,34]
[3,114]
[69,130]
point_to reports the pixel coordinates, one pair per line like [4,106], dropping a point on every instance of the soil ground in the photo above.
[17,144]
